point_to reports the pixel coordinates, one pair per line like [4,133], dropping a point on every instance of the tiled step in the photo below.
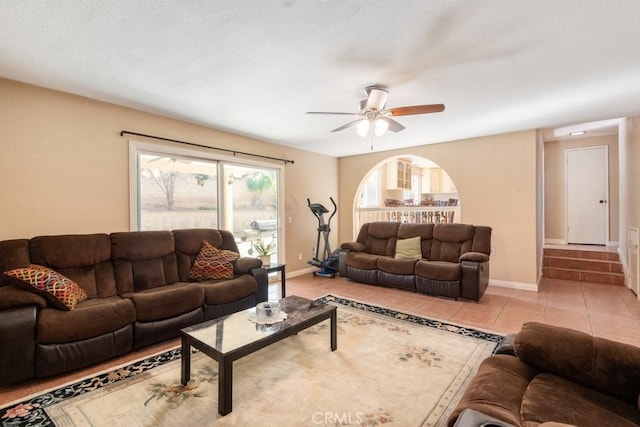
[584,266]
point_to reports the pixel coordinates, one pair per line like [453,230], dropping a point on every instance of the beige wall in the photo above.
[555,200]
[64,168]
[496,181]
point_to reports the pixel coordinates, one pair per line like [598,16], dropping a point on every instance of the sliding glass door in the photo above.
[175,188]
[251,206]
[176,192]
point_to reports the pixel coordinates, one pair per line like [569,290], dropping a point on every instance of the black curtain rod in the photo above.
[123,132]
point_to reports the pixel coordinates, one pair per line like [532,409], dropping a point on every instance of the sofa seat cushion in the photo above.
[552,398]
[166,301]
[89,319]
[226,291]
[397,265]
[439,270]
[363,260]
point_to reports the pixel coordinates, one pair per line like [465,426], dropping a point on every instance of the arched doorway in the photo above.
[408,189]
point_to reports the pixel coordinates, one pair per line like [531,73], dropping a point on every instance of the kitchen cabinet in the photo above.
[438,181]
[399,174]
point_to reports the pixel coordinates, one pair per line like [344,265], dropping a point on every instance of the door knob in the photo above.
[603,201]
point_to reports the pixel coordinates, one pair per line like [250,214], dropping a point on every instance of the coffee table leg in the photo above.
[225,385]
[283,282]
[186,362]
[334,330]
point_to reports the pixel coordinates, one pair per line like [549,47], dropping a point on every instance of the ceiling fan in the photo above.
[373,112]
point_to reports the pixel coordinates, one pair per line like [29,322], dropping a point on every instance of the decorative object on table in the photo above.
[267,310]
[263,250]
[267,313]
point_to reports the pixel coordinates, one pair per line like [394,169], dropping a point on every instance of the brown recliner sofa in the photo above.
[554,376]
[453,259]
[138,293]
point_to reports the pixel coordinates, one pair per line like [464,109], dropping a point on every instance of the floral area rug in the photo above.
[390,369]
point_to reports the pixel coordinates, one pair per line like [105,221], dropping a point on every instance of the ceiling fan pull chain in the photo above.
[371,141]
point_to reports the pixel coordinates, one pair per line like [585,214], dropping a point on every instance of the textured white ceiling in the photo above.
[255,67]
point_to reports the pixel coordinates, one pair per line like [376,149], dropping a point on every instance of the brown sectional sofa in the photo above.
[454,259]
[138,293]
[554,376]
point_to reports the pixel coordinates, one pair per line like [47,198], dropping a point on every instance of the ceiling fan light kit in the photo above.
[363,128]
[373,111]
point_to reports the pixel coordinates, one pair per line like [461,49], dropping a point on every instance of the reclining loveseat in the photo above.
[450,260]
[112,293]
[553,376]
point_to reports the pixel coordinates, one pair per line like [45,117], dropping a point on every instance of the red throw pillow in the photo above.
[59,291]
[213,263]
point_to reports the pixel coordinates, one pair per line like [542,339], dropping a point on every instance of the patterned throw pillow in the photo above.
[213,263]
[59,291]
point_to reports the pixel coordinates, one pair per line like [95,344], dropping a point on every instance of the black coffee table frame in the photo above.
[302,314]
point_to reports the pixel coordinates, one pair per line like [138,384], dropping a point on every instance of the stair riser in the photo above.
[584,276]
[568,253]
[581,264]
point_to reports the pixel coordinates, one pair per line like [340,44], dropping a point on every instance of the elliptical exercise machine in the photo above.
[329,263]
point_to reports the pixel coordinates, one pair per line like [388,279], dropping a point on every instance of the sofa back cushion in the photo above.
[189,241]
[143,260]
[379,238]
[13,254]
[450,241]
[85,259]
[424,231]
[608,366]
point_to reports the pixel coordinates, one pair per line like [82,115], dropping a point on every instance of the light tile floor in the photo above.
[602,310]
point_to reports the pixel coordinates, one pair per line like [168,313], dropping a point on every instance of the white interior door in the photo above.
[586,172]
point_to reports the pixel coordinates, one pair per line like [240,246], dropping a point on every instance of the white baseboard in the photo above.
[301,272]
[555,241]
[532,287]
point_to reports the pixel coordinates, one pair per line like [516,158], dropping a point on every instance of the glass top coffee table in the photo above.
[234,336]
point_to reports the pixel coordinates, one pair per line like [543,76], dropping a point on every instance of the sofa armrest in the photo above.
[11,297]
[18,333]
[353,246]
[243,265]
[342,262]
[475,279]
[474,256]
[262,279]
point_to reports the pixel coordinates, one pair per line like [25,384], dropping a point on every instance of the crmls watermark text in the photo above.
[334,418]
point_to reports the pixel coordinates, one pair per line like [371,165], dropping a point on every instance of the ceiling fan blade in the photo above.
[348,125]
[393,125]
[330,112]
[377,98]
[416,109]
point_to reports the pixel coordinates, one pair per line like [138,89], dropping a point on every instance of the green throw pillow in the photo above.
[409,248]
